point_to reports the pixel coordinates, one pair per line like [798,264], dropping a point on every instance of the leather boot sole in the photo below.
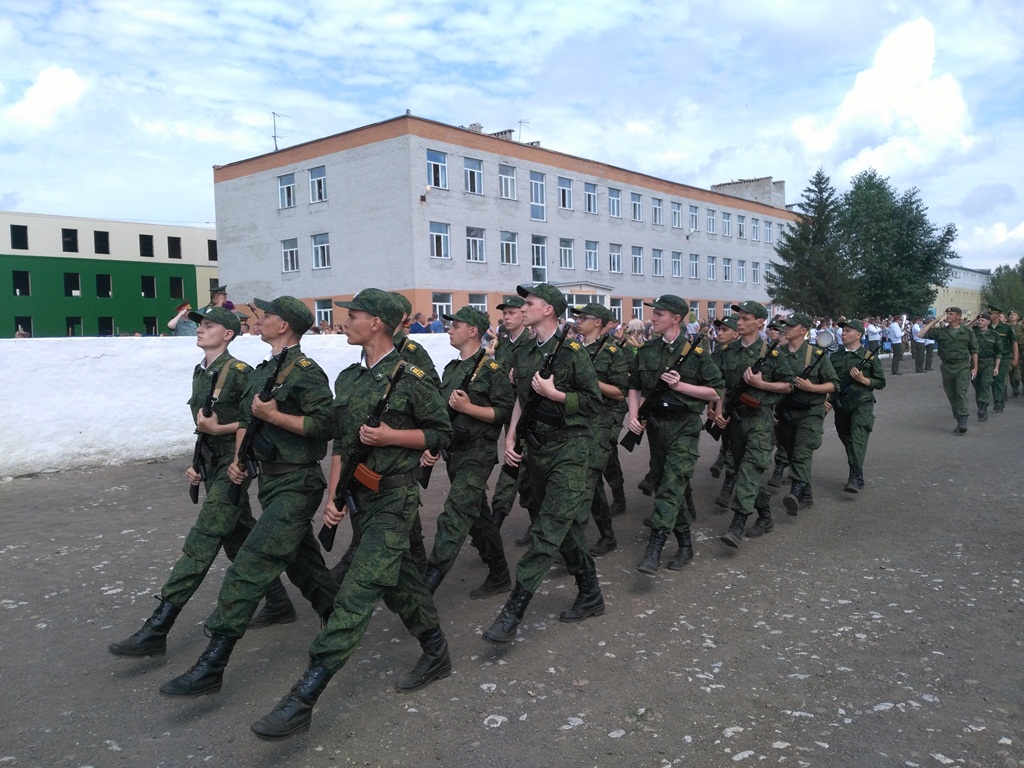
[792,504]
[731,539]
[572,618]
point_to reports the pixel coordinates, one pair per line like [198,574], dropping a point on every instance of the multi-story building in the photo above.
[452,216]
[93,277]
[964,290]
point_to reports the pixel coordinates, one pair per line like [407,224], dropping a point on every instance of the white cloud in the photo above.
[54,91]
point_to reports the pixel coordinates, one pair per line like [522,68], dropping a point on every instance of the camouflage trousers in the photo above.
[281,541]
[613,469]
[984,383]
[955,382]
[219,524]
[600,451]
[382,569]
[674,454]
[798,439]
[854,428]
[1000,382]
[750,443]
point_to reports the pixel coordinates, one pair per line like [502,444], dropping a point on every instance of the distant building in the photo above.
[68,276]
[452,216]
[964,291]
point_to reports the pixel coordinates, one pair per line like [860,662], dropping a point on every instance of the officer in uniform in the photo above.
[1013,318]
[675,425]
[801,415]
[990,350]
[748,423]
[479,397]
[220,523]
[297,423]
[1010,353]
[958,350]
[860,375]
[557,461]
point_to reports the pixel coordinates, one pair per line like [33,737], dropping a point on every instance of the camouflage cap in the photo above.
[403,302]
[298,316]
[225,317]
[775,324]
[728,322]
[856,325]
[599,311]
[512,302]
[473,316]
[752,308]
[377,303]
[677,305]
[545,291]
[799,318]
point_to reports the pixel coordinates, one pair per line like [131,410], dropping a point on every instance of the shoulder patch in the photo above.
[240,366]
[304,362]
[419,373]
[698,350]
[493,365]
[775,353]
[410,346]
[575,346]
[612,348]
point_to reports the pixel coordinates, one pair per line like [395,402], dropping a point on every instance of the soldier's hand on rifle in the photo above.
[544,387]
[859,377]
[753,378]
[804,384]
[207,424]
[237,472]
[193,477]
[828,404]
[716,415]
[429,459]
[636,426]
[458,401]
[264,410]
[512,458]
[333,515]
[376,436]
[670,377]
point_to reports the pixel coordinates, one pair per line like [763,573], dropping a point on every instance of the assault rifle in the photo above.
[847,382]
[738,392]
[632,440]
[198,460]
[245,451]
[528,416]
[600,345]
[425,471]
[822,342]
[354,467]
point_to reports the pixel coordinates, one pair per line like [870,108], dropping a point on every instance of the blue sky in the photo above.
[119,109]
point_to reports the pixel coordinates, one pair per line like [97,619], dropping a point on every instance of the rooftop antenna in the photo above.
[275,137]
[521,124]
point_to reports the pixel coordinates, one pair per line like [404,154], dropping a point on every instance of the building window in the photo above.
[211,250]
[590,197]
[23,323]
[22,283]
[726,309]
[149,326]
[755,272]
[478,301]
[321,251]
[712,310]
[566,259]
[768,269]
[73,326]
[616,307]
[19,237]
[441,304]
[290,255]
[637,203]
[741,271]
[72,284]
[657,211]
[173,249]
[475,244]
[767,231]
[677,215]
[213,283]
[507,181]
[148,283]
[509,248]
[657,262]
[726,270]
[741,226]
[754,230]
[437,169]
[615,258]
[592,256]
[539,258]
[439,241]
[711,221]
[565,193]
[324,310]
[286,191]
[177,287]
[538,204]
[711,267]
[317,184]
[694,266]
[677,263]
[146,246]
[105,326]
[474,175]
[638,309]
[101,242]
[104,288]
[614,203]
[637,260]
[726,224]
[69,240]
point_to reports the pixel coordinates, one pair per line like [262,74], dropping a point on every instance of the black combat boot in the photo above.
[432,578]
[523,540]
[716,468]
[645,485]
[961,421]
[983,412]
[618,500]
[851,483]
[652,558]
[684,555]
[763,524]
[791,501]
[724,497]
[775,481]
[860,478]
[606,543]
[277,610]
[498,580]
[734,535]
[589,600]
[504,628]
[207,674]
[807,498]
[294,712]
[434,664]
[151,640]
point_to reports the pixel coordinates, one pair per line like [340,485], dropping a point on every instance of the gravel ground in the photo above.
[882,629]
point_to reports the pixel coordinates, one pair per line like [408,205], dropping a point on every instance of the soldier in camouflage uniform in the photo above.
[958,350]
[800,417]
[990,350]
[478,412]
[297,423]
[675,424]
[416,419]
[1013,319]
[556,461]
[775,330]
[1009,358]
[727,334]
[748,423]
[860,375]
[220,524]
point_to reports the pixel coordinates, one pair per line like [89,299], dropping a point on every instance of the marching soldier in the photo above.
[958,350]
[1018,332]
[1009,358]
[854,402]
[727,334]
[990,349]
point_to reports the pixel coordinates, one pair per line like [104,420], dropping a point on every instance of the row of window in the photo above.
[22,285]
[473,183]
[286,190]
[101,243]
[104,326]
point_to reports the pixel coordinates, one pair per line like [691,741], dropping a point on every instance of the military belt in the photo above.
[559,435]
[402,479]
[472,445]
[277,468]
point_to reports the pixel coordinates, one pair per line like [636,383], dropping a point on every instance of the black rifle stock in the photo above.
[359,454]
[198,462]
[245,452]
[631,440]
[426,471]
[736,392]
[528,416]
[844,385]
